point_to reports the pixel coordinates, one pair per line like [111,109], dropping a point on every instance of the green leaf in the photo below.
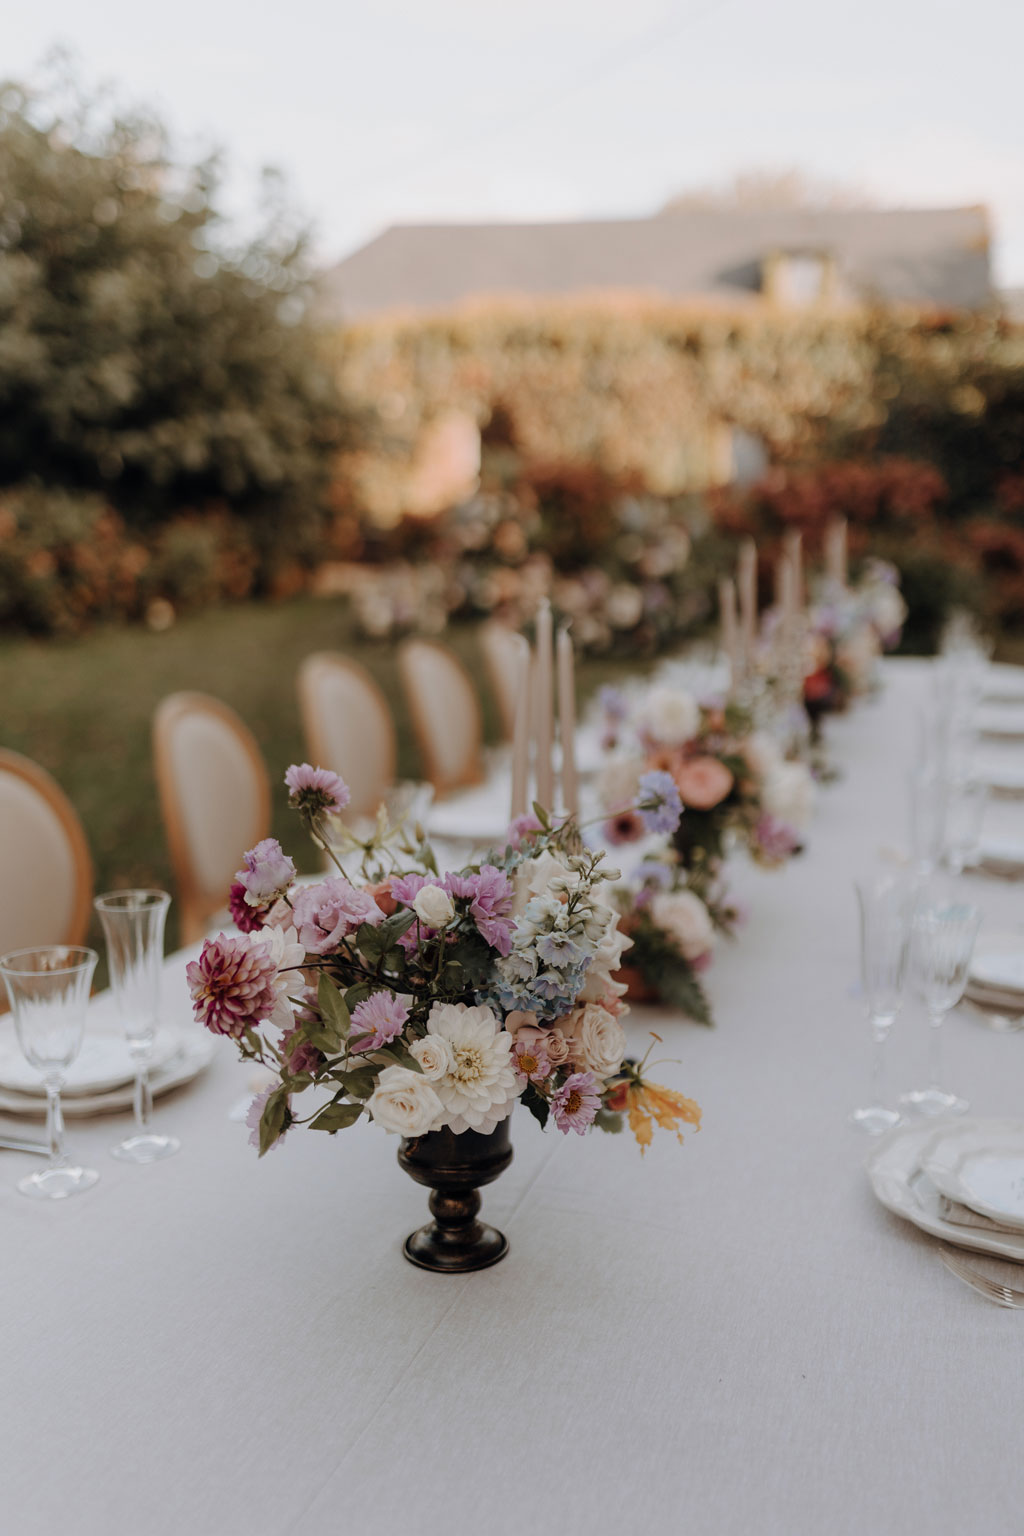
[368,941]
[334,1015]
[357,994]
[608,1120]
[393,927]
[542,815]
[336,1117]
[359,1083]
[537,1104]
[399,1057]
[274,1120]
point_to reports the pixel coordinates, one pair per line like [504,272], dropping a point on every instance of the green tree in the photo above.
[142,352]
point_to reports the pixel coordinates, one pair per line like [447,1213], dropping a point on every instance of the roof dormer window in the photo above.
[797,279]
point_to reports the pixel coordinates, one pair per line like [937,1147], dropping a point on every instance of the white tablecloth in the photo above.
[726,1337]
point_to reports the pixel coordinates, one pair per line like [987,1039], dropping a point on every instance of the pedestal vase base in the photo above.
[453,1167]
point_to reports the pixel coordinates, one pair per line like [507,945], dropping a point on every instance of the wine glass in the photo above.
[133,924]
[48,990]
[943,942]
[927,820]
[885,903]
[965,808]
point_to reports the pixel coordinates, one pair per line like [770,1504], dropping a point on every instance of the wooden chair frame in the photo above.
[311,718]
[47,788]
[418,713]
[196,906]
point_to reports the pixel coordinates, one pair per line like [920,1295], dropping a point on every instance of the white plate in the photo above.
[1004,852]
[999,970]
[1003,723]
[894,1169]
[103,1063]
[980,1163]
[192,1055]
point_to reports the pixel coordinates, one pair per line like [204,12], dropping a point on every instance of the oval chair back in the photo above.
[214,796]
[348,727]
[445,714]
[46,890]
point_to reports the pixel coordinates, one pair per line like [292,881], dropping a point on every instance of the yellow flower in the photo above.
[649,1104]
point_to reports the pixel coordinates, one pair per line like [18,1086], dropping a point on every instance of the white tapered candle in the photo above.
[567,721]
[544,705]
[521,734]
[794,544]
[730,629]
[747,579]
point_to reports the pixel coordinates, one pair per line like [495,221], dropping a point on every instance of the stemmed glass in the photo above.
[133,924]
[885,904]
[943,942]
[965,808]
[49,994]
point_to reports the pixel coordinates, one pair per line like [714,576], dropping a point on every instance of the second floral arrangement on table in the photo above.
[424,1001]
[848,630]
[735,789]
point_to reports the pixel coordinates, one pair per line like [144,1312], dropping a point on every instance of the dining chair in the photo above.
[348,727]
[502,649]
[46,890]
[215,799]
[445,714]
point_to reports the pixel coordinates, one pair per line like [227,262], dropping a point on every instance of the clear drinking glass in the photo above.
[965,808]
[885,903]
[133,925]
[48,990]
[943,942]
[927,820]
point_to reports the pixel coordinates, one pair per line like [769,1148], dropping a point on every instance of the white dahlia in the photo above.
[479,1088]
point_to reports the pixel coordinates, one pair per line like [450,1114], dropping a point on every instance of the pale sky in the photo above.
[391,111]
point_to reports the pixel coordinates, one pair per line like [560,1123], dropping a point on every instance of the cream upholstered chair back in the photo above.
[215,799]
[502,649]
[348,727]
[445,714]
[46,884]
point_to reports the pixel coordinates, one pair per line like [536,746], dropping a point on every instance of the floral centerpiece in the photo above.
[848,630]
[734,788]
[431,1003]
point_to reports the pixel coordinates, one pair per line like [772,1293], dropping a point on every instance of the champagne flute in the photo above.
[48,990]
[943,942]
[965,809]
[133,924]
[885,904]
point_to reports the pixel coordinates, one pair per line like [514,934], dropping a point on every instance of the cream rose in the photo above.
[434,1055]
[599,1041]
[686,919]
[670,716]
[404,1102]
[619,783]
[762,754]
[788,794]
[434,906]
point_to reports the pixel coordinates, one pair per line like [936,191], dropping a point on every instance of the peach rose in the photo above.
[382,896]
[703,783]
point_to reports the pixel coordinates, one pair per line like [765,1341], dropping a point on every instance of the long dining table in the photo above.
[727,1336]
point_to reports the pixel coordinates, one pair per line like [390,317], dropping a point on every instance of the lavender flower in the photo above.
[380,1018]
[266,873]
[576,1103]
[316,789]
[659,803]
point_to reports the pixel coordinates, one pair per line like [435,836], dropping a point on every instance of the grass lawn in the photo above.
[83,708]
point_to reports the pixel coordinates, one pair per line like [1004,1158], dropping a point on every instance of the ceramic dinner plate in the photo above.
[1003,779]
[192,1054]
[980,1163]
[999,968]
[898,1180]
[1004,723]
[103,1063]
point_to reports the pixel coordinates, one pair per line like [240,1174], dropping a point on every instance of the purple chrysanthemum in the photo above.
[576,1103]
[232,984]
[380,1018]
[659,803]
[490,894]
[530,1062]
[316,789]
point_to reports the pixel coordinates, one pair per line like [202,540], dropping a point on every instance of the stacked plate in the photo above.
[1005,722]
[996,978]
[962,1181]
[1004,779]
[1000,856]
[101,1078]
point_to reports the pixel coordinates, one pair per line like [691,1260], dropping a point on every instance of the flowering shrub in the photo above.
[423,1001]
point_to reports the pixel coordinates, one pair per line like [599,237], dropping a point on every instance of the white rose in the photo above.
[434,906]
[670,716]
[686,919]
[599,1040]
[434,1055]
[762,754]
[404,1102]
[788,794]
[619,783]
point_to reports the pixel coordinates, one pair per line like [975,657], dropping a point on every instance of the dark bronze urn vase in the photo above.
[454,1168]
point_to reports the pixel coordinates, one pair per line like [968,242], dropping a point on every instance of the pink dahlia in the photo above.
[327,913]
[576,1103]
[316,789]
[380,1018]
[233,983]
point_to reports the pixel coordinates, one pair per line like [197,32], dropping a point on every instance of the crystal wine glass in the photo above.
[965,808]
[885,903]
[927,820]
[943,942]
[133,924]
[48,990]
